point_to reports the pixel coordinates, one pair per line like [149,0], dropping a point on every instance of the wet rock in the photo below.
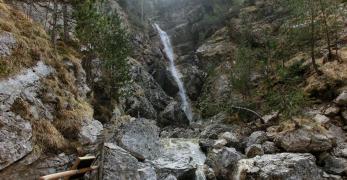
[223,161]
[90,131]
[209,173]
[254,150]
[147,173]
[179,158]
[342,99]
[141,138]
[269,147]
[173,115]
[7,43]
[332,164]
[304,140]
[257,137]
[284,166]
[166,81]
[119,164]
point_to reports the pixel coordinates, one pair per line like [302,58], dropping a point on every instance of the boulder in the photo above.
[223,161]
[332,111]
[284,166]
[270,118]
[333,164]
[213,131]
[321,119]
[269,147]
[340,150]
[257,137]
[305,140]
[173,115]
[141,138]
[90,131]
[119,164]
[342,99]
[220,143]
[206,144]
[179,158]
[254,150]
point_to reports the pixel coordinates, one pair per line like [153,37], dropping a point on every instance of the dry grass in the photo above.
[47,137]
[32,41]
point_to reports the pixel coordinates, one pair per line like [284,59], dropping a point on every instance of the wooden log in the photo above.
[68,173]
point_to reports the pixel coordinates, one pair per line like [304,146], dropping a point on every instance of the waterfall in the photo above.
[165,39]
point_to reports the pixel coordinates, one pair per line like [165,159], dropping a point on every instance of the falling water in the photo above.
[165,39]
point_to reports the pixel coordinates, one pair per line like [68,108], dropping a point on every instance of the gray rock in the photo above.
[342,99]
[90,131]
[147,173]
[340,150]
[119,164]
[173,115]
[344,115]
[321,119]
[170,177]
[269,147]
[179,158]
[7,43]
[257,137]
[16,132]
[214,130]
[270,118]
[223,161]
[332,110]
[284,166]
[254,150]
[229,137]
[304,140]
[220,143]
[332,164]
[141,138]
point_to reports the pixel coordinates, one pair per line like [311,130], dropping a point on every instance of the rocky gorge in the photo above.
[54,106]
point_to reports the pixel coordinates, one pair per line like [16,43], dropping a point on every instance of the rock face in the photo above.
[173,115]
[16,132]
[305,140]
[284,166]
[141,138]
[7,43]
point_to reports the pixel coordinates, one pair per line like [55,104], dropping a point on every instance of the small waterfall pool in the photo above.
[165,39]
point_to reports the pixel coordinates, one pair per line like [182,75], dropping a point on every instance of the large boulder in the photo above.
[223,161]
[90,131]
[180,158]
[141,138]
[257,137]
[173,114]
[119,164]
[305,140]
[342,99]
[284,166]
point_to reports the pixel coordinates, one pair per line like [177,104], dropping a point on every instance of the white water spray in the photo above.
[165,39]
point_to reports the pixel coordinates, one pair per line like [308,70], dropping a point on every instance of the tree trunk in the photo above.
[54,25]
[313,42]
[326,29]
[66,25]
